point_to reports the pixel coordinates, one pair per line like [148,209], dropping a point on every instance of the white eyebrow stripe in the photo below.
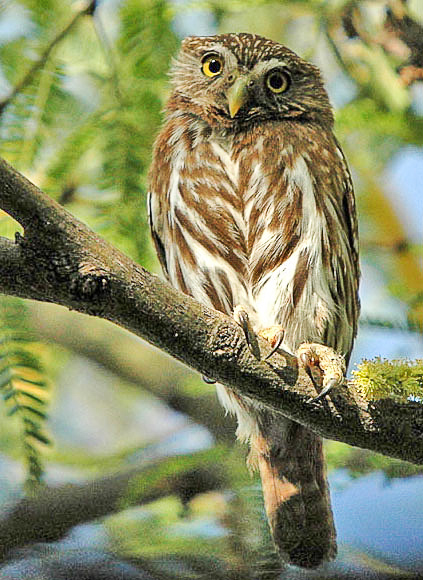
[266,65]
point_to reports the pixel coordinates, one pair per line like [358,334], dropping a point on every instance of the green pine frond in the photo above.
[399,380]
[23,385]
[142,54]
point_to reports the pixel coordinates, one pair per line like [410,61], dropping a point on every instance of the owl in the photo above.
[252,212]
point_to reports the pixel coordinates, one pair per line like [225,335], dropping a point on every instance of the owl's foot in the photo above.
[242,318]
[274,335]
[315,356]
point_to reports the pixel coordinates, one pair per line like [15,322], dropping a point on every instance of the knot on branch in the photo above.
[19,239]
[198,480]
[225,344]
[89,282]
[91,8]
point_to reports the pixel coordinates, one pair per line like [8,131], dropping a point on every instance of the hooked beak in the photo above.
[237,95]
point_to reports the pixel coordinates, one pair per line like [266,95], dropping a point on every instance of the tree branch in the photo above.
[54,510]
[60,260]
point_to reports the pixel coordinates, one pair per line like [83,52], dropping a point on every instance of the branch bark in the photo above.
[60,260]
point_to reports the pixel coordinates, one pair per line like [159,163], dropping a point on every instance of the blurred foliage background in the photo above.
[143,478]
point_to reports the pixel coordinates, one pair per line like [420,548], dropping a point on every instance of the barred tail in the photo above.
[296,493]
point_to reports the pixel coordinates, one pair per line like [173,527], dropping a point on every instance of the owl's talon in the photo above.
[274,336]
[333,382]
[307,364]
[241,317]
[329,362]
[276,340]
[208,380]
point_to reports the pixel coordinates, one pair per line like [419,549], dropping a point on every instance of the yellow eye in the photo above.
[277,81]
[212,65]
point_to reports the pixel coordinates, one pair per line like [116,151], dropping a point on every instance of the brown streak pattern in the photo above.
[300,277]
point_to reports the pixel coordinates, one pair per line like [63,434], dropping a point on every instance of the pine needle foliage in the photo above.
[399,380]
[23,385]
[142,54]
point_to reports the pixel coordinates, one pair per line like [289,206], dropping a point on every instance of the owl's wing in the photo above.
[346,201]
[154,217]
[350,213]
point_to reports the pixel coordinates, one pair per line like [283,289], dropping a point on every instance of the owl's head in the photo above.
[236,79]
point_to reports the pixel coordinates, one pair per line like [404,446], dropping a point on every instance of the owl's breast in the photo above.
[204,233]
[232,207]
[275,216]
[247,222]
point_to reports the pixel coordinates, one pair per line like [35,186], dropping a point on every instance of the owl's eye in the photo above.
[212,65]
[277,81]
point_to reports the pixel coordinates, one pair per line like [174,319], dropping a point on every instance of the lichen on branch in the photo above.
[398,380]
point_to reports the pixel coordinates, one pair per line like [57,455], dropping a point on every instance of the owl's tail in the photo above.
[295,489]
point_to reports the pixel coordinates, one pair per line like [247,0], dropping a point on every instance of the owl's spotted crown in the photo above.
[249,49]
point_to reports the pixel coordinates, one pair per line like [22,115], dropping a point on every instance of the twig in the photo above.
[42,59]
[109,57]
[60,260]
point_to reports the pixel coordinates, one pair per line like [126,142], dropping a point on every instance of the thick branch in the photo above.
[60,260]
[54,510]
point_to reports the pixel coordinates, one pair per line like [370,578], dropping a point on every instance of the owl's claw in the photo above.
[328,361]
[329,386]
[274,334]
[308,361]
[241,317]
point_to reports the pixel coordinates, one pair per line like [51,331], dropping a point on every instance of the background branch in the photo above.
[61,260]
[125,356]
[54,510]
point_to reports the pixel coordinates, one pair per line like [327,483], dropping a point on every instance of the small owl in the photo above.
[252,211]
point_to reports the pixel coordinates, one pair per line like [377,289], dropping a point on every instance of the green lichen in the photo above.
[399,380]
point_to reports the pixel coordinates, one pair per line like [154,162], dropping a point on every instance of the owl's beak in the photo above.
[237,95]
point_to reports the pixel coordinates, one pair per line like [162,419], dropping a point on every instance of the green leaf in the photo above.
[41,384]
[5,378]
[31,396]
[9,393]
[13,410]
[33,410]
[39,437]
